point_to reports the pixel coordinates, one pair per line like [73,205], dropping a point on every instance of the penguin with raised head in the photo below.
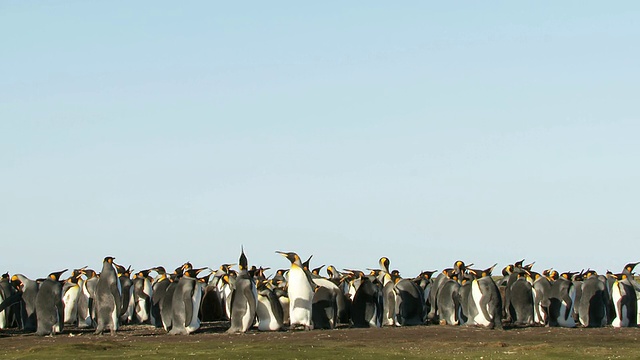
[301,289]
[186,303]
[244,298]
[49,305]
[593,304]
[388,293]
[108,298]
[562,300]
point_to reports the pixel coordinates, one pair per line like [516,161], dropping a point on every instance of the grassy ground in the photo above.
[436,342]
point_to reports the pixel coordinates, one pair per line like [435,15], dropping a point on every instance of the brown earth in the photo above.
[417,339]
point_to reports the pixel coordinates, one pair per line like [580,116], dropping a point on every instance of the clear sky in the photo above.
[162,132]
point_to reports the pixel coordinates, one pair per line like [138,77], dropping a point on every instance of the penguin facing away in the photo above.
[186,303]
[108,298]
[49,305]
[301,290]
[594,301]
[562,301]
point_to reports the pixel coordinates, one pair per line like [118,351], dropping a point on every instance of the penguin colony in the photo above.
[301,298]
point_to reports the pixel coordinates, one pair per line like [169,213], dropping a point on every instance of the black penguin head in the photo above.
[628,269]
[316,271]
[568,275]
[89,273]
[291,256]
[243,263]
[529,266]
[5,276]
[55,276]
[160,270]
[143,274]
[518,264]
[507,270]
[305,265]
[109,259]
[192,273]
[427,274]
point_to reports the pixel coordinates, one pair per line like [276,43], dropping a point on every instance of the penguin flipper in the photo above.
[113,288]
[188,307]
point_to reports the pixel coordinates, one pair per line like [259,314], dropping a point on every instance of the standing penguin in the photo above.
[409,303]
[71,292]
[562,300]
[159,288]
[486,298]
[388,295]
[186,303]
[49,305]
[594,302]
[623,297]
[541,289]
[301,289]
[366,307]
[141,295]
[108,298]
[268,309]
[243,299]
[448,301]
[29,290]
[519,297]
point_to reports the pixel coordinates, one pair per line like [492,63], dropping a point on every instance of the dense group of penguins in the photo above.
[298,297]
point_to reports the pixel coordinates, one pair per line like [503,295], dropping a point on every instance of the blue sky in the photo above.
[425,132]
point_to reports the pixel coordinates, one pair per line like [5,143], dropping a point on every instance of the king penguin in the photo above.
[108,298]
[49,305]
[593,304]
[243,299]
[141,296]
[300,289]
[562,300]
[486,298]
[71,291]
[186,303]
[29,290]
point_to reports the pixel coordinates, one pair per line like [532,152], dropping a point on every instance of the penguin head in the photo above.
[629,267]
[589,273]
[192,273]
[427,274]
[507,270]
[243,263]
[460,267]
[55,276]
[316,271]
[384,264]
[160,270]
[568,275]
[89,273]
[529,266]
[109,259]
[305,265]
[15,281]
[293,257]
[518,264]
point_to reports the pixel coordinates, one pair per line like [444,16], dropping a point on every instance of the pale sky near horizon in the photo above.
[161,132]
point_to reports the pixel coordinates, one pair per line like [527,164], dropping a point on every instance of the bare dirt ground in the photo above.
[447,341]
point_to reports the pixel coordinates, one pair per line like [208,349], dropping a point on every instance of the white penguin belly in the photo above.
[476,294]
